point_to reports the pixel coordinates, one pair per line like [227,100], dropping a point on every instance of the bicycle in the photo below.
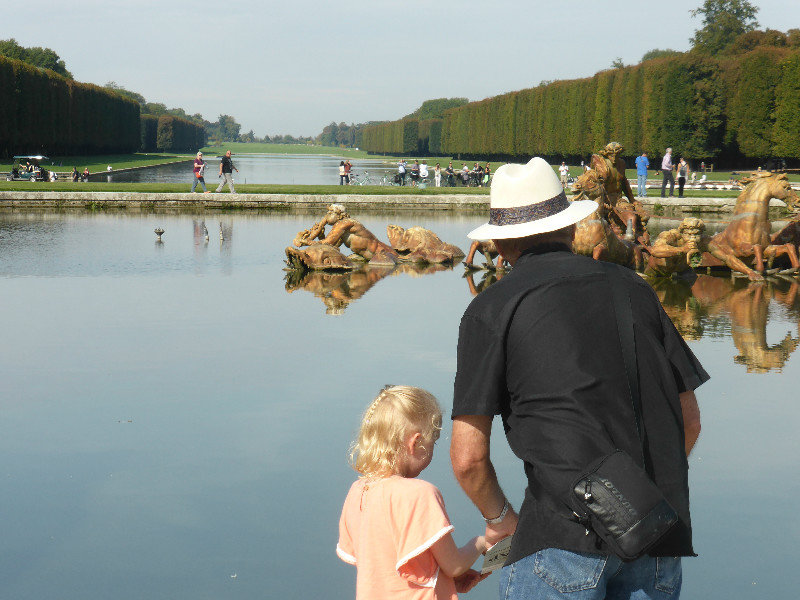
[356,179]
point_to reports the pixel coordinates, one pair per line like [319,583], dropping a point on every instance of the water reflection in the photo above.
[721,307]
[487,278]
[338,289]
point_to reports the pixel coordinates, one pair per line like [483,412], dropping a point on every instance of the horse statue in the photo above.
[747,237]
[489,251]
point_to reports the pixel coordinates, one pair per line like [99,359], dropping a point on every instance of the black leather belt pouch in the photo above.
[618,501]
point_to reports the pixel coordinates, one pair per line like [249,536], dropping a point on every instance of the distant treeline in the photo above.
[730,109]
[43,112]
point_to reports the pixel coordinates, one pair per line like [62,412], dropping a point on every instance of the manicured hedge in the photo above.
[149,133]
[175,134]
[786,130]
[396,137]
[42,112]
[731,108]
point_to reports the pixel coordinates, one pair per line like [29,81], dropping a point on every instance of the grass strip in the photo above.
[98,163]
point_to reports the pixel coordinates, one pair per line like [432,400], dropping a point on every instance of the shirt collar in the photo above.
[545,248]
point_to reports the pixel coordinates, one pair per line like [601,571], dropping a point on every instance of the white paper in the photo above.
[496,556]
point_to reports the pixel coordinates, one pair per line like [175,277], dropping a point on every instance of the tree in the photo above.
[658,53]
[434,109]
[723,22]
[44,58]
[227,128]
[617,63]
[112,85]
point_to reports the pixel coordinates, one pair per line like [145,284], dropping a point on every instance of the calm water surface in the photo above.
[176,416]
[261,168]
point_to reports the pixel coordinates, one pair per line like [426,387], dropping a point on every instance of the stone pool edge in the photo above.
[223,201]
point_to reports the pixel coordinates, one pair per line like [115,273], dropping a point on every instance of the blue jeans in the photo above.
[199,180]
[642,185]
[552,574]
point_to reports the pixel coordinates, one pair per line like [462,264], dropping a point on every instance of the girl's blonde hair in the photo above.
[397,412]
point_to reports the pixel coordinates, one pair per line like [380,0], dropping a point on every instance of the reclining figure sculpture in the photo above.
[316,250]
[349,232]
[677,250]
[420,244]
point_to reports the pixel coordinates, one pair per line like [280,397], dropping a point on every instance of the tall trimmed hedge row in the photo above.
[175,134]
[704,108]
[41,111]
[397,137]
[149,133]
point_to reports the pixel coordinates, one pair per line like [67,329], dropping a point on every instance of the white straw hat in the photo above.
[529,199]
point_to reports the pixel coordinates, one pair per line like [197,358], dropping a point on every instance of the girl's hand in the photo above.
[466,581]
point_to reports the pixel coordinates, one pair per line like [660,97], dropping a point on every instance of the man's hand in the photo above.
[503,529]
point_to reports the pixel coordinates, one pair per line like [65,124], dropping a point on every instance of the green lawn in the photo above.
[100,162]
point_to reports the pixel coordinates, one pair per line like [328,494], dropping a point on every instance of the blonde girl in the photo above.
[394,527]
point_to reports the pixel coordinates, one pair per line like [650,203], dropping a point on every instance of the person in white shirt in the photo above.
[401,171]
[564,171]
[423,170]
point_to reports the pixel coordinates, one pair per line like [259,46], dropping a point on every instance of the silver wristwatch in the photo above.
[503,513]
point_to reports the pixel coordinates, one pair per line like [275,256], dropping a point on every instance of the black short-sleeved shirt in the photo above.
[227,164]
[541,348]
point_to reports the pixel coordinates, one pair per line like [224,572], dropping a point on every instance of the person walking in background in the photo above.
[199,172]
[642,164]
[683,173]
[226,169]
[75,175]
[437,175]
[341,173]
[487,174]
[666,171]
[563,172]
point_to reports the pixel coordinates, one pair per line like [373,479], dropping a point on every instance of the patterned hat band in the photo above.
[526,214]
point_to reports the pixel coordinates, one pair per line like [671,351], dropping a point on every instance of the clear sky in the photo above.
[294,66]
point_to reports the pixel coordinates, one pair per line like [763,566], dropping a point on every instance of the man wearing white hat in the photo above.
[542,348]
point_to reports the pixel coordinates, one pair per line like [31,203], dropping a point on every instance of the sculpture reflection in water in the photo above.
[721,307]
[337,289]
[316,264]
[708,306]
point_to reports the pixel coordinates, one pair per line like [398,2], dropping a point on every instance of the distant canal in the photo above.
[262,168]
[176,416]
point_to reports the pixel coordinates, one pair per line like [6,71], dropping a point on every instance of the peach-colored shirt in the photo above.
[386,530]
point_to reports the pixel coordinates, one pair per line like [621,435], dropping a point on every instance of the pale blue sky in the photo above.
[294,66]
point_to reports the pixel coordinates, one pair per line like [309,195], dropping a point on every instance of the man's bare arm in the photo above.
[691,419]
[469,454]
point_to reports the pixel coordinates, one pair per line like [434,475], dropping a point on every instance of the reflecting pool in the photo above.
[175,417]
[262,168]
